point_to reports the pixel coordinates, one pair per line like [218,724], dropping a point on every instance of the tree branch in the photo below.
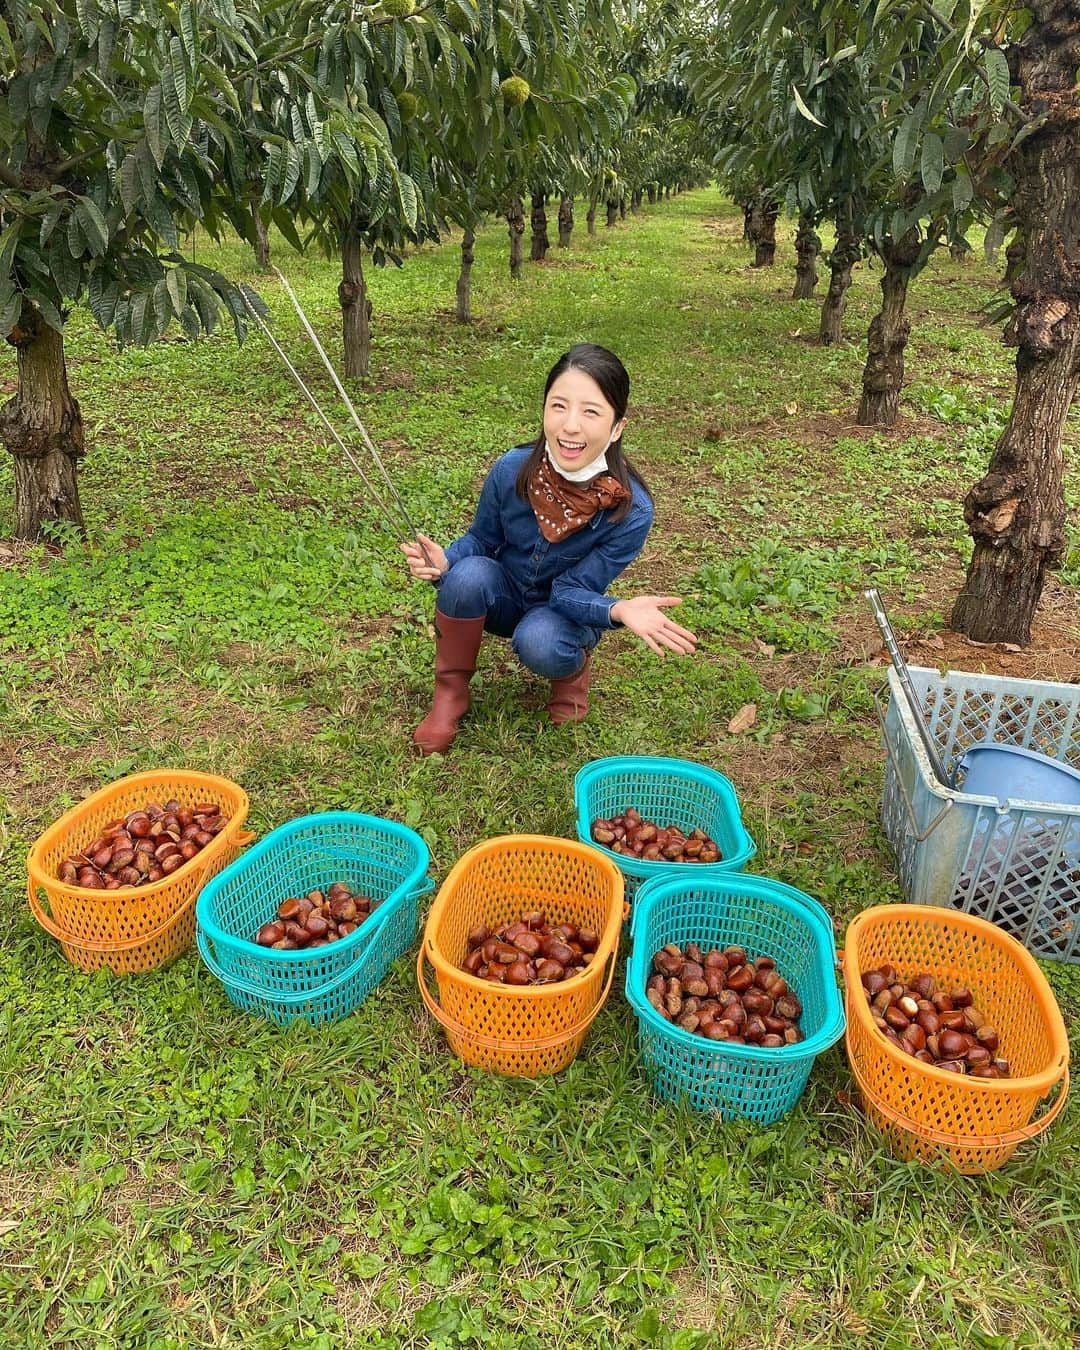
[951,29]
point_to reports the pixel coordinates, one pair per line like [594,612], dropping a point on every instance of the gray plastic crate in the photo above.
[1017,865]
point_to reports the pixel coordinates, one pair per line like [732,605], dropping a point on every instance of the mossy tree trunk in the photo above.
[762,226]
[538,220]
[354,302]
[566,221]
[262,240]
[807,247]
[1016,513]
[883,374]
[463,312]
[841,261]
[515,220]
[42,427]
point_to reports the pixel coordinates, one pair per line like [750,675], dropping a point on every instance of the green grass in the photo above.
[175,1174]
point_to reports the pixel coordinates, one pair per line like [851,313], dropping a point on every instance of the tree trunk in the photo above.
[43,429]
[650,192]
[622,207]
[262,241]
[960,251]
[463,312]
[590,217]
[883,374]
[1016,513]
[763,230]
[841,261]
[612,212]
[355,306]
[635,201]
[566,221]
[807,247]
[538,220]
[515,219]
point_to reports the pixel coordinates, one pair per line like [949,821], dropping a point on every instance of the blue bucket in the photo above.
[1011,773]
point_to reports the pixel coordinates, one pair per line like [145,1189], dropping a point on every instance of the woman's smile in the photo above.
[579,422]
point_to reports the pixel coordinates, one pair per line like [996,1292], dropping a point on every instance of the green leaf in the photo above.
[127,180]
[932,164]
[962,191]
[93,225]
[152,122]
[176,282]
[102,295]
[294,162]
[10,307]
[75,241]
[174,90]
[162,302]
[997,77]
[142,318]
[408,200]
[95,1288]
[905,145]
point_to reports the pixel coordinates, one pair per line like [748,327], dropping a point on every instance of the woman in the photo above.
[556,523]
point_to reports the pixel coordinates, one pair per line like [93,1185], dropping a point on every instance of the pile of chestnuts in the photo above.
[723,995]
[631,834]
[146,845]
[316,919]
[529,951]
[934,1026]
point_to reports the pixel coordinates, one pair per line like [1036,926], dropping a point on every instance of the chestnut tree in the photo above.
[122,124]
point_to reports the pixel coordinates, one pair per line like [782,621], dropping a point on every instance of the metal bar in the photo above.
[900,666]
[352,412]
[919,835]
[387,514]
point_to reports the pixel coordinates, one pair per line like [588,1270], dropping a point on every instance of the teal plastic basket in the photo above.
[377,857]
[768,918]
[669,792]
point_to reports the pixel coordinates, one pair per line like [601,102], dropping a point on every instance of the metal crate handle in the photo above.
[918,834]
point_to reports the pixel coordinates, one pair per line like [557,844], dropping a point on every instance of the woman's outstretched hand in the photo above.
[645,615]
[418,564]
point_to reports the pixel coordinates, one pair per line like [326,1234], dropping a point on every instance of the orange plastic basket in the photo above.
[538,1029]
[928,1113]
[131,930]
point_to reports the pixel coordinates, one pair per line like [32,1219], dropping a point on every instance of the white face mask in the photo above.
[589,472]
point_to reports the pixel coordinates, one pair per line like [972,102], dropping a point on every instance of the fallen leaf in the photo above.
[765,648]
[744,719]
[934,641]
[1011,647]
[805,847]
[791,409]
[794,332]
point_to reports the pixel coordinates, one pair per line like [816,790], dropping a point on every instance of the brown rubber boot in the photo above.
[569,701]
[457,643]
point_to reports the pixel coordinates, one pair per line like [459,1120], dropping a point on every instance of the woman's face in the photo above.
[579,422]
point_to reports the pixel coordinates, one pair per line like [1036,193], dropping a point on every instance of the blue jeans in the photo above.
[548,644]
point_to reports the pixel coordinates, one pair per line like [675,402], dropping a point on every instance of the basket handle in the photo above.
[1018,1136]
[493,1042]
[305,996]
[92,945]
[918,835]
[241,840]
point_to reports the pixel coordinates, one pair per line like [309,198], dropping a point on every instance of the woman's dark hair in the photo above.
[610,374]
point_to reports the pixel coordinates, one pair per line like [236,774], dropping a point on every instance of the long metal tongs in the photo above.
[387,513]
[904,676]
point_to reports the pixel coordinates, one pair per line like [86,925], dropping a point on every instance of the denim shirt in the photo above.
[572,574]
